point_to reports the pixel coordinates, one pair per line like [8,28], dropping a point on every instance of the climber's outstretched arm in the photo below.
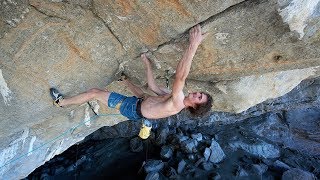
[184,65]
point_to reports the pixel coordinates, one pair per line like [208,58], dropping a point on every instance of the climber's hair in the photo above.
[202,109]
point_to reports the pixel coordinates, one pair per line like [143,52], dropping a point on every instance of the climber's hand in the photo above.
[196,36]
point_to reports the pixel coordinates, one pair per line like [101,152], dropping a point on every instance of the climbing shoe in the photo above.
[56,96]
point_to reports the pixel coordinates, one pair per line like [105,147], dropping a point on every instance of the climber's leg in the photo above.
[98,94]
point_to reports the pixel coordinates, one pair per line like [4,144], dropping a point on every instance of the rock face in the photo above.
[254,51]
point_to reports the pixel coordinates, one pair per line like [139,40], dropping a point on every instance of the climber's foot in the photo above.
[56,96]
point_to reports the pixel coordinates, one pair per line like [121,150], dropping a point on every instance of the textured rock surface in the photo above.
[217,154]
[297,174]
[258,159]
[259,149]
[76,45]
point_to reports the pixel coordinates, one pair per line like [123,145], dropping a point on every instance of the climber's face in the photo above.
[197,97]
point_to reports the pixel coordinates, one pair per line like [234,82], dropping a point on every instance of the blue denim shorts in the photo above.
[128,106]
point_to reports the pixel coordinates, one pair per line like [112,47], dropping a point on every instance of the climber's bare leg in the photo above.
[137,91]
[98,94]
[150,79]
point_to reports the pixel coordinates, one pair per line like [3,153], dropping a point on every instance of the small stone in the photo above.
[59,170]
[246,159]
[208,166]
[162,135]
[268,162]
[182,138]
[217,154]
[80,161]
[281,165]
[166,152]
[170,172]
[297,174]
[136,144]
[259,169]
[189,146]
[241,172]
[216,137]
[45,176]
[153,166]
[197,136]
[199,162]
[191,157]
[207,153]
[181,166]
[152,176]
[71,168]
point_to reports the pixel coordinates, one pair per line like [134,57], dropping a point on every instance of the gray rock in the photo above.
[162,135]
[207,153]
[208,166]
[259,169]
[297,174]
[71,46]
[153,166]
[58,170]
[272,129]
[191,157]
[280,165]
[171,173]
[136,144]
[304,123]
[241,172]
[45,176]
[166,152]
[217,154]
[80,161]
[153,176]
[201,160]
[261,149]
[182,138]
[71,168]
[182,164]
[268,162]
[189,146]
[197,136]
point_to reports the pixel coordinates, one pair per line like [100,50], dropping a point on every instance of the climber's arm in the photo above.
[184,65]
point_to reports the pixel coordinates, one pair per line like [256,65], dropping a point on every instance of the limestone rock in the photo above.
[181,166]
[261,149]
[217,154]
[144,25]
[254,51]
[153,165]
[301,16]
[296,174]
[258,42]
[166,152]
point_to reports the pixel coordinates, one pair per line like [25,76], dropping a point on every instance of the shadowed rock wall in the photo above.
[255,50]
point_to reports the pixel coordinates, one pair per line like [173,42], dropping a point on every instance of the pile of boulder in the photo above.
[196,155]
